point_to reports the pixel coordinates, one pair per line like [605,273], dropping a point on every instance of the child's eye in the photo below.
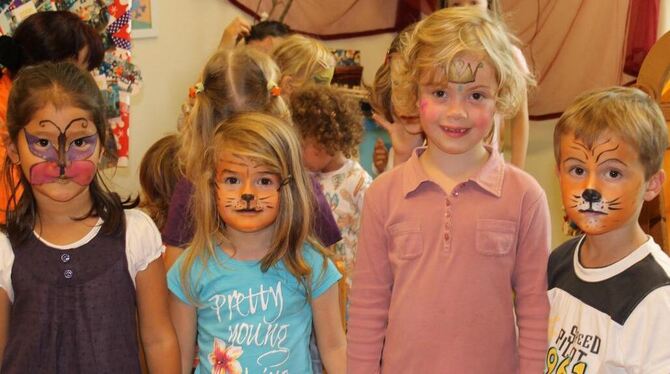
[231,180]
[43,142]
[79,142]
[578,171]
[439,93]
[478,96]
[614,174]
[266,182]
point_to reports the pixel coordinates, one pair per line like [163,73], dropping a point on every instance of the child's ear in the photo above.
[12,153]
[654,185]
[286,85]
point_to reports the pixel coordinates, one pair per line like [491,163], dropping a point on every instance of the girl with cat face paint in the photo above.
[253,278]
[78,266]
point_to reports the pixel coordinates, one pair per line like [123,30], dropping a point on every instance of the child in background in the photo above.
[609,289]
[303,60]
[159,174]
[408,135]
[79,269]
[252,279]
[331,128]
[454,242]
[519,121]
[262,35]
[233,80]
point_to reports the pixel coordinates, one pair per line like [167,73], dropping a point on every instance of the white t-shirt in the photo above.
[143,246]
[614,319]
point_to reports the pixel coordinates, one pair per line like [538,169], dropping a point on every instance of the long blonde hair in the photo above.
[233,80]
[443,35]
[304,59]
[273,143]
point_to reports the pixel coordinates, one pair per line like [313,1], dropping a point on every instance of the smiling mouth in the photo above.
[247,210]
[591,211]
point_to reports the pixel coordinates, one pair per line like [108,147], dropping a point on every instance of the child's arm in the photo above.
[520,123]
[529,281]
[184,320]
[158,336]
[5,308]
[371,291]
[329,332]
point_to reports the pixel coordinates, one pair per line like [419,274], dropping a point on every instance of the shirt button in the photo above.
[446,236]
[455,193]
[65,257]
[68,273]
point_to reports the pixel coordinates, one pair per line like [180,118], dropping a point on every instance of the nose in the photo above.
[455,109]
[247,197]
[591,196]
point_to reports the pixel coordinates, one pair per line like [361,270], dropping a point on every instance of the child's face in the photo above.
[456,116]
[483,4]
[59,152]
[314,155]
[603,186]
[247,194]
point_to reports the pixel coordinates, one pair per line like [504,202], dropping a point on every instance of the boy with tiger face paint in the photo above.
[608,286]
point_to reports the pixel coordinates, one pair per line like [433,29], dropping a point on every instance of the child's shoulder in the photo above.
[520,180]
[560,259]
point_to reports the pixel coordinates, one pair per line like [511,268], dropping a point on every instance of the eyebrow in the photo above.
[607,150]
[613,160]
[573,159]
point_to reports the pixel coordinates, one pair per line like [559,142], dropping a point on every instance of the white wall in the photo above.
[171,62]
[187,35]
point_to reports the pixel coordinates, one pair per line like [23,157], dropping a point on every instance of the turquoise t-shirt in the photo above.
[254,321]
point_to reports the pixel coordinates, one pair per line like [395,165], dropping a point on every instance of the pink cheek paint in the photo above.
[80,172]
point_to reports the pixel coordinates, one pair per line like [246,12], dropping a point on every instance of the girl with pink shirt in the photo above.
[450,273]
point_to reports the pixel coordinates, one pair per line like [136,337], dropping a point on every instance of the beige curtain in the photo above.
[571,46]
[334,19]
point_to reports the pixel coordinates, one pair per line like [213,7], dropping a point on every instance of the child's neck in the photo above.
[448,170]
[249,246]
[606,249]
[57,223]
[335,163]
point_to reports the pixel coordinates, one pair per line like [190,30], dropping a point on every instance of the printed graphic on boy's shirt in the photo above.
[266,336]
[66,155]
[571,350]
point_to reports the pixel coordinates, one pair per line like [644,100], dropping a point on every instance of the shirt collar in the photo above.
[489,177]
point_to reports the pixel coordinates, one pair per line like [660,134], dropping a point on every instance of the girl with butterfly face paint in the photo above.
[71,247]
[253,213]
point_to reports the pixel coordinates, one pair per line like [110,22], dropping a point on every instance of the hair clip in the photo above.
[285,181]
[274,89]
[195,90]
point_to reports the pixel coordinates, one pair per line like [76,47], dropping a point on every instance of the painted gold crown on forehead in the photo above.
[461,72]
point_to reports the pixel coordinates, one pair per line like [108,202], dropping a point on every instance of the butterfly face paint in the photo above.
[247,194]
[602,185]
[65,153]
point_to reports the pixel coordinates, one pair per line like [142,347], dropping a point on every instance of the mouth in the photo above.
[247,210]
[592,211]
[455,132]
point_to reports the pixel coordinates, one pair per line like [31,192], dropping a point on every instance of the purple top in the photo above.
[178,229]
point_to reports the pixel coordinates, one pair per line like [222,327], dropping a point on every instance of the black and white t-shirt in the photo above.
[614,319]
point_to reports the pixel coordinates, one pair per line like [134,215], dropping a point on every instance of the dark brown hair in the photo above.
[328,116]
[159,173]
[51,36]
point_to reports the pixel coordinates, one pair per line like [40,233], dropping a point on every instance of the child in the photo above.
[331,130]
[303,60]
[233,80]
[609,289]
[77,265]
[159,174]
[518,121]
[408,135]
[448,237]
[252,278]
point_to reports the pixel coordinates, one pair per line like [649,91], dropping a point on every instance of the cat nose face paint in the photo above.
[65,152]
[602,184]
[247,193]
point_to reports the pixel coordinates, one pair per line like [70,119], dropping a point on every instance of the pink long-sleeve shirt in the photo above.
[439,277]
